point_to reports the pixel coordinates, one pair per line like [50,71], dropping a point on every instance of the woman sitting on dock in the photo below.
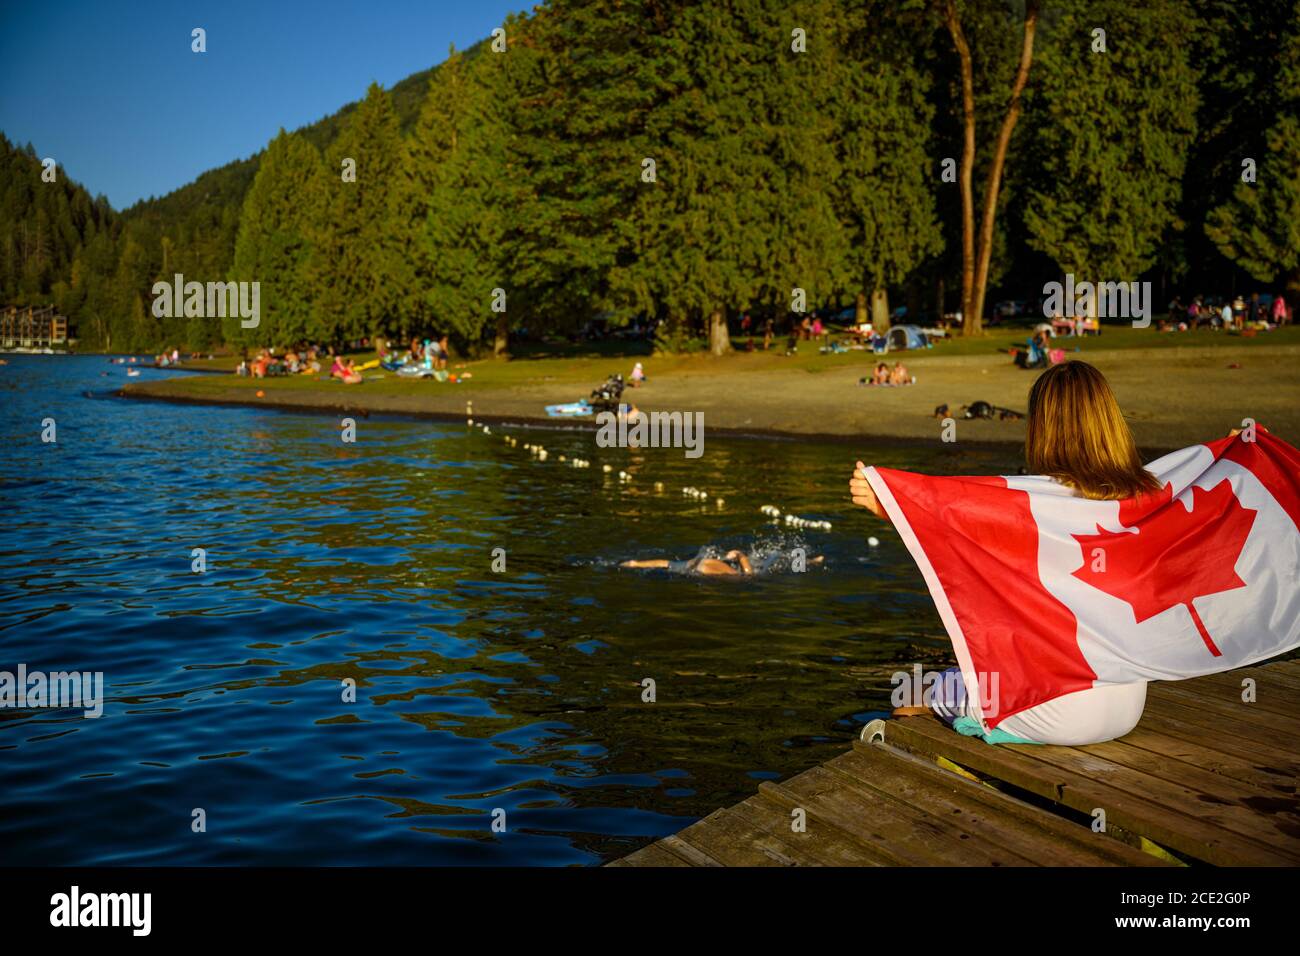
[1077,435]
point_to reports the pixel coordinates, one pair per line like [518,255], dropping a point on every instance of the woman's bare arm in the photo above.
[860,491]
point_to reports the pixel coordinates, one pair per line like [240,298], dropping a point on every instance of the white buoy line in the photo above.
[540,453]
[773,512]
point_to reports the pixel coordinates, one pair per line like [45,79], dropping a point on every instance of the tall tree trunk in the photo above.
[860,309]
[971,324]
[879,310]
[975,256]
[719,338]
[501,342]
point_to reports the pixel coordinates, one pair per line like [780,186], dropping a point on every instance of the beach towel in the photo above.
[1044,593]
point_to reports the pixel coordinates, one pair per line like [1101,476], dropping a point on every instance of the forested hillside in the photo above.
[690,162]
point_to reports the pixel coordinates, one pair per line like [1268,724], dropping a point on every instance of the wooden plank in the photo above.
[692,855]
[1222,703]
[1218,731]
[1204,773]
[1196,715]
[1029,831]
[1273,672]
[1286,667]
[1273,818]
[1283,670]
[930,738]
[1272,692]
[828,845]
[1177,720]
[1148,737]
[869,831]
[652,855]
[726,837]
[914,835]
[1186,811]
[1143,814]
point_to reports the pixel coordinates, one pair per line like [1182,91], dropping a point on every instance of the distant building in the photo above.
[30,327]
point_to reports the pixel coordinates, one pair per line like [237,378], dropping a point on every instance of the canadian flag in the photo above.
[1044,593]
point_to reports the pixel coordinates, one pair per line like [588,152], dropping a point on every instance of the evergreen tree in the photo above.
[585,76]
[272,247]
[1259,227]
[1112,142]
[457,192]
[886,191]
[356,261]
[131,329]
[734,215]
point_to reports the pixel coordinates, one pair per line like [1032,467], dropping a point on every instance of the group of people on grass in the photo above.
[799,329]
[1236,314]
[293,361]
[884,375]
[431,354]
[311,359]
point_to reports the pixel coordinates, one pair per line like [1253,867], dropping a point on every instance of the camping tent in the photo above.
[903,337]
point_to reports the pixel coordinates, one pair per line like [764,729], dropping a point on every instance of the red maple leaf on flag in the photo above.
[1173,555]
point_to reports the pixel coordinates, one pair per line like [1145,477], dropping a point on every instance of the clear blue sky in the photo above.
[112,91]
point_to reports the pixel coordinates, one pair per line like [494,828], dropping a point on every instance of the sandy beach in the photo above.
[1172,396]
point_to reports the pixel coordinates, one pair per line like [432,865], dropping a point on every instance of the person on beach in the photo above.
[344,371]
[1076,434]
[733,562]
[438,352]
[1279,313]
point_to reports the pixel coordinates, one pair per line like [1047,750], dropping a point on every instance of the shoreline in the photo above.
[1171,397]
[542,423]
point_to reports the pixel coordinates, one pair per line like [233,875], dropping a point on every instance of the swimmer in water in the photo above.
[733,562]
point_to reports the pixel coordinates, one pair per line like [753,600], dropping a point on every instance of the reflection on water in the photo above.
[475,691]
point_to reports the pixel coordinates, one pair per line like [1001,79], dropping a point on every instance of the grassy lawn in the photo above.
[588,363]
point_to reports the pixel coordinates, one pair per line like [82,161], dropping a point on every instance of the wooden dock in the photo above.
[1205,778]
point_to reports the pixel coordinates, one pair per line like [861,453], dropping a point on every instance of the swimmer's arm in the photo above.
[714,566]
[862,494]
[742,559]
[648,563]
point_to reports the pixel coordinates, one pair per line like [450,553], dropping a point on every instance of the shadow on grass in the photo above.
[599,348]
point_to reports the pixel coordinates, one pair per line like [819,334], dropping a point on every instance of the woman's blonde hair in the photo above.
[1077,435]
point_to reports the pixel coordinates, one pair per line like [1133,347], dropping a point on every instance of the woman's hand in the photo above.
[1237,431]
[860,490]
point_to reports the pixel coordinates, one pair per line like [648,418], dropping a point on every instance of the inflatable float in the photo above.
[570,410]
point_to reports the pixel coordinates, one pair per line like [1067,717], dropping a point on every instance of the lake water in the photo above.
[476,691]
